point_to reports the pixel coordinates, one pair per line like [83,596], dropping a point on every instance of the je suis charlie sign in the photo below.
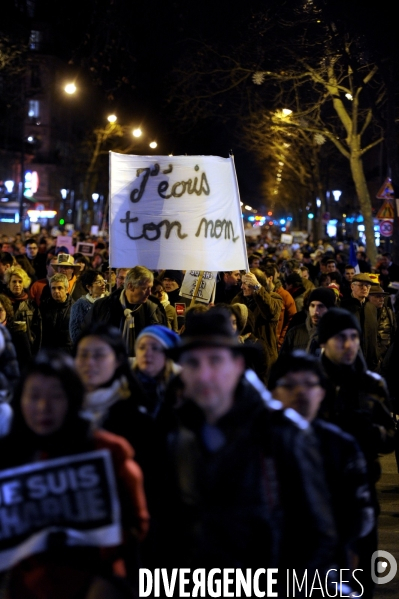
[175,212]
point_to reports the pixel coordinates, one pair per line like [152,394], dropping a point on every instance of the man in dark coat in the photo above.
[298,381]
[130,309]
[304,336]
[56,312]
[366,313]
[355,402]
[235,463]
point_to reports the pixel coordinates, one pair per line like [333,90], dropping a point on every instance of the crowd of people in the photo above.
[244,433]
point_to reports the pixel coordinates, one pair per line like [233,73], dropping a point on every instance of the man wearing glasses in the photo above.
[366,313]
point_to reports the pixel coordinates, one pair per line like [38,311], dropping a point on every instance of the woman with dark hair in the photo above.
[95,285]
[112,395]
[47,425]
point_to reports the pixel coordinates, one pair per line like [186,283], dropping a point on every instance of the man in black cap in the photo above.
[304,336]
[366,313]
[172,281]
[355,402]
[235,464]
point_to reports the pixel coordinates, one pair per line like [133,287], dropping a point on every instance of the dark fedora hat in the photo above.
[210,329]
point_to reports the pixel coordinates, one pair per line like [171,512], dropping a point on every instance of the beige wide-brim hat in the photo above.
[65,260]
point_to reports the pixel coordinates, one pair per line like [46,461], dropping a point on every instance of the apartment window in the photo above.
[35,40]
[33,109]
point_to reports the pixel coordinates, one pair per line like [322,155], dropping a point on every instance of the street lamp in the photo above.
[70,88]
[137,132]
[337,194]
[112,118]
[153,145]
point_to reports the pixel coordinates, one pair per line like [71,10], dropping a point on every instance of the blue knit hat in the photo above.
[166,337]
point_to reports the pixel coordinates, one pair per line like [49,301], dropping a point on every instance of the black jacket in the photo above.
[55,323]
[259,499]
[110,310]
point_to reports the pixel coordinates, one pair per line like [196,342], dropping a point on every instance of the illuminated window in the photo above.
[33,109]
[35,39]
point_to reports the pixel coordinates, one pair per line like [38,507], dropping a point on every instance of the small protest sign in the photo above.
[66,241]
[204,293]
[177,212]
[85,248]
[74,496]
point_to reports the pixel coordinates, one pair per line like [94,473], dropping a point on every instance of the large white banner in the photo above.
[177,212]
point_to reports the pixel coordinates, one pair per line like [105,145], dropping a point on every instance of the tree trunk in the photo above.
[365,203]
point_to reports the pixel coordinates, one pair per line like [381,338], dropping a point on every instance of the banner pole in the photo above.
[239,207]
[200,277]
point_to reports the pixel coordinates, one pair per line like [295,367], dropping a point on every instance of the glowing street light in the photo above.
[337,194]
[153,145]
[70,88]
[112,118]
[137,132]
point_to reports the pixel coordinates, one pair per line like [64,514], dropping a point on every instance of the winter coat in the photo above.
[110,310]
[263,315]
[55,322]
[66,571]
[366,313]
[355,402]
[287,312]
[229,489]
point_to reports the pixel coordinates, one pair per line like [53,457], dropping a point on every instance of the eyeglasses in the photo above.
[361,284]
[290,385]
[101,282]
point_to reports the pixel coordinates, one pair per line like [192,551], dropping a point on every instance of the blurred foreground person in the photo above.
[244,486]
[46,420]
[298,381]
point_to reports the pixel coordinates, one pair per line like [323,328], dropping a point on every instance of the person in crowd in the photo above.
[36,289]
[219,502]
[288,308]
[112,394]
[254,261]
[298,381]
[227,286]
[109,275]
[172,281]
[159,292]
[363,262]
[36,260]
[64,264]
[366,313]
[386,322]
[56,313]
[151,368]
[121,276]
[129,309]
[355,402]
[264,307]
[46,416]
[304,336]
[294,286]
[9,374]
[345,287]
[17,330]
[6,261]
[387,270]
[293,266]
[26,313]
[96,289]
[83,262]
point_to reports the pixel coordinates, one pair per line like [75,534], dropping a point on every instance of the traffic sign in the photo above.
[386,228]
[386,191]
[386,212]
